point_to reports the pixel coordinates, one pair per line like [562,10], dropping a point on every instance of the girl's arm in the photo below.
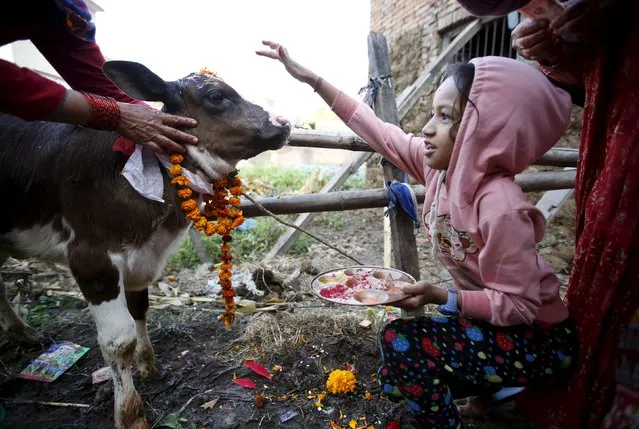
[404,150]
[509,270]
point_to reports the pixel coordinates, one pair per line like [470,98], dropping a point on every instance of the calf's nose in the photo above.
[282,120]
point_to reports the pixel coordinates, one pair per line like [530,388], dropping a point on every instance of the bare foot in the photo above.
[474,407]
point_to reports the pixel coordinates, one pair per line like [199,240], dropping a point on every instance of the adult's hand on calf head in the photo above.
[535,41]
[157,130]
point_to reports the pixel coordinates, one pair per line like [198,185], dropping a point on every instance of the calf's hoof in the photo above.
[132,416]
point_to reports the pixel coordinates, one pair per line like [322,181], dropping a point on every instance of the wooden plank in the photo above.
[556,157]
[409,97]
[288,238]
[372,198]
[403,244]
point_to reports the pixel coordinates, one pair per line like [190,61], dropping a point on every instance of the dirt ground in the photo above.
[288,327]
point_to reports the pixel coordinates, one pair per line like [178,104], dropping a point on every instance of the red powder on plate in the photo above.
[334,292]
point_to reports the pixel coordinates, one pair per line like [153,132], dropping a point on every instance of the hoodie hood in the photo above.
[492,7]
[514,116]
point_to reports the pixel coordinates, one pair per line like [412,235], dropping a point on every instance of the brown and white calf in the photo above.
[65,200]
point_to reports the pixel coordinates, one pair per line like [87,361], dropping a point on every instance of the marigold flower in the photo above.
[237,181]
[341,381]
[225,275]
[209,210]
[227,319]
[184,193]
[180,180]
[238,221]
[221,184]
[236,190]
[201,224]
[228,293]
[226,266]
[210,229]
[225,222]
[234,201]
[221,230]
[226,284]
[209,72]
[227,239]
[226,257]
[175,170]
[193,215]
[189,205]
[226,247]
[176,158]
[221,194]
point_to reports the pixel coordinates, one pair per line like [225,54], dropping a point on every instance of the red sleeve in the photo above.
[27,94]
[80,64]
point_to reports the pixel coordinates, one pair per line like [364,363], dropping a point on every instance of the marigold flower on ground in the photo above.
[341,381]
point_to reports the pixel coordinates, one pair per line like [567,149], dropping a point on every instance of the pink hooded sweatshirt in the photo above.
[486,232]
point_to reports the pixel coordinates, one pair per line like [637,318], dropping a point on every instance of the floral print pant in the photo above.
[429,361]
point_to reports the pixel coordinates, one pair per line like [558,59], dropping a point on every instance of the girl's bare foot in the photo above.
[474,407]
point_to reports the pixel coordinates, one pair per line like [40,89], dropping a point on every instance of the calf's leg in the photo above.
[145,361]
[101,285]
[10,322]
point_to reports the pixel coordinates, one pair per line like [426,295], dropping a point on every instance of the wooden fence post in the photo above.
[404,246]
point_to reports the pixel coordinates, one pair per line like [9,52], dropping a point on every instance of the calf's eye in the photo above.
[215,97]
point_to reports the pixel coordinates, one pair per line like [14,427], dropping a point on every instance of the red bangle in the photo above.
[105,112]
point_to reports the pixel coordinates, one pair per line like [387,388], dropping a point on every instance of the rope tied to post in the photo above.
[399,193]
[372,88]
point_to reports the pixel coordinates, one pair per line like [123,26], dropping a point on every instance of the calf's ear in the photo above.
[139,82]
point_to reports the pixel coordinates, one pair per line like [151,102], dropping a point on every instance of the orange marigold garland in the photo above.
[219,216]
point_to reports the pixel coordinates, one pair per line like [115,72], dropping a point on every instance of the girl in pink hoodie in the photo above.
[506,324]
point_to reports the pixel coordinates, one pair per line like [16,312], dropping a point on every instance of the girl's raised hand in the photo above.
[279,52]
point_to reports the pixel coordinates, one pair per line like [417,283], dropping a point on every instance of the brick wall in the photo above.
[429,18]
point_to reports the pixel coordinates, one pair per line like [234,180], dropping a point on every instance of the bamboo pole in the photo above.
[556,157]
[373,198]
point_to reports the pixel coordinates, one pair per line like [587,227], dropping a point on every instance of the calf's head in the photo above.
[229,128]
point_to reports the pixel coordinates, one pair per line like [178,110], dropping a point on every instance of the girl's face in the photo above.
[440,131]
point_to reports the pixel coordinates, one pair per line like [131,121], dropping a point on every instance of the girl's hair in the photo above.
[463,75]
